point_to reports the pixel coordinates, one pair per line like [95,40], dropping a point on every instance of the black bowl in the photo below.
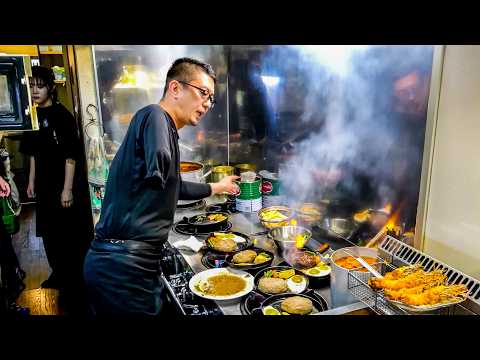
[204,225]
[260,274]
[229,260]
[319,303]
[240,246]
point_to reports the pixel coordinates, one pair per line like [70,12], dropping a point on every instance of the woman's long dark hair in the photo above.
[46,76]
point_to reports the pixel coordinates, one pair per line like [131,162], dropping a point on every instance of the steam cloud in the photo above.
[359,134]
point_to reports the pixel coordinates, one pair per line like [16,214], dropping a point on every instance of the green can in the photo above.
[270,183]
[250,190]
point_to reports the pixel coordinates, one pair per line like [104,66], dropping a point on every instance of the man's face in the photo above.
[195,102]
[411,94]
[39,91]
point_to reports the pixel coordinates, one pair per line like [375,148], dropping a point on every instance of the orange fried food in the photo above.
[350,263]
[414,279]
[435,295]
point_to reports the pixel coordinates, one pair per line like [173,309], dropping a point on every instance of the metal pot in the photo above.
[240,168]
[284,236]
[192,171]
[209,164]
[219,172]
[341,295]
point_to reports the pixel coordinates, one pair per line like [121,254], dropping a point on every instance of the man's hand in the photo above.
[4,188]
[226,185]
[67,198]
[31,190]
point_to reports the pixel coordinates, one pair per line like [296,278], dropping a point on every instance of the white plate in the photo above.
[204,275]
[321,274]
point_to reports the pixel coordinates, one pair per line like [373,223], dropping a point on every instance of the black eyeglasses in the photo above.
[204,93]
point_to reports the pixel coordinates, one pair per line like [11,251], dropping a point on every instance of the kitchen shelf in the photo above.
[51,53]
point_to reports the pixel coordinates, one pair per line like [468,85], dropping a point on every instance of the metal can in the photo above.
[249,199]
[248,205]
[270,189]
[250,190]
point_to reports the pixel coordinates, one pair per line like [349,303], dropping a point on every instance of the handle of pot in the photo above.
[207,173]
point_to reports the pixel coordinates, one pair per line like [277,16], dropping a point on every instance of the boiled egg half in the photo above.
[297,283]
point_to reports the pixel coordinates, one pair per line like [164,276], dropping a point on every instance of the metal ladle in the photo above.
[365,264]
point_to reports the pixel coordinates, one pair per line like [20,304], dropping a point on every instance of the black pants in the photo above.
[65,255]
[122,281]
[55,254]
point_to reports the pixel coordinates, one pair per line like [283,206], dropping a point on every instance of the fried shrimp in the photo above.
[411,280]
[412,285]
[435,295]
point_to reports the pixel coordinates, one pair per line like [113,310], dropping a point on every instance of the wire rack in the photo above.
[394,253]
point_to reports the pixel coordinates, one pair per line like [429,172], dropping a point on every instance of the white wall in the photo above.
[452,227]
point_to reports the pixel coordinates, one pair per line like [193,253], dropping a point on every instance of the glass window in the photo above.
[6,105]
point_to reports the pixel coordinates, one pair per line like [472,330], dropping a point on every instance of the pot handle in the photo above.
[207,173]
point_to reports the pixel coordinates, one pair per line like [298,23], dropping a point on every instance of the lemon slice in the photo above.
[270,310]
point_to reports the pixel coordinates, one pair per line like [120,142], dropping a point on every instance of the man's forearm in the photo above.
[69,174]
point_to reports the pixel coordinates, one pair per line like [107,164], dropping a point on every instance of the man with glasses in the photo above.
[122,266]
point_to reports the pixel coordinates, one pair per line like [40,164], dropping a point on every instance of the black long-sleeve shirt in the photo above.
[144,183]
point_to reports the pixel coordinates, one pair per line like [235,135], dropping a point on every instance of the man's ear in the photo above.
[174,88]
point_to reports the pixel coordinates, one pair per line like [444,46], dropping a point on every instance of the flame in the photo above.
[362,215]
[391,223]
[387,208]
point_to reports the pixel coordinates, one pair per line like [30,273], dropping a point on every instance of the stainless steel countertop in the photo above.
[246,223]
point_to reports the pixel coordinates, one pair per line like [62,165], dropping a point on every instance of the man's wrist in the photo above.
[214,187]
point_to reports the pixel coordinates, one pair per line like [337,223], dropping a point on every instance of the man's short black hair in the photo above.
[183,69]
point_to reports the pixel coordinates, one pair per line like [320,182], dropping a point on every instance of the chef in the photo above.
[121,269]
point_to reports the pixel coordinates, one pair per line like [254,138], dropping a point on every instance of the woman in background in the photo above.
[58,181]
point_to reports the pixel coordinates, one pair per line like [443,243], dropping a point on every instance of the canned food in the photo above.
[270,189]
[248,205]
[250,190]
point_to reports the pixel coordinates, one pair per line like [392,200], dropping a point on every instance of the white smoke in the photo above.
[334,86]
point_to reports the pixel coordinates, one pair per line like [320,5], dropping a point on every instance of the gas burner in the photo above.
[177,273]
[184,228]
[200,204]
[228,207]
[213,260]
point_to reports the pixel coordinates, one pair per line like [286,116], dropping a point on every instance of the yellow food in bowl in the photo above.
[274,215]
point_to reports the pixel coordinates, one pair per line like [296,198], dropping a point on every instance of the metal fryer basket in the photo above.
[393,252]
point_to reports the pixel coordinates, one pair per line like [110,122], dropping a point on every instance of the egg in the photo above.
[297,283]
[318,271]
[270,310]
